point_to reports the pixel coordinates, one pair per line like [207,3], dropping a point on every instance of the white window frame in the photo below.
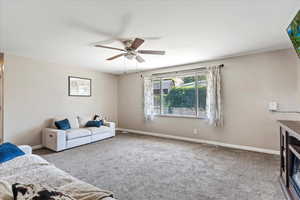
[199,114]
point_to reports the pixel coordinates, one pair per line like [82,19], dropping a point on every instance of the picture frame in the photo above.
[79,87]
[293,31]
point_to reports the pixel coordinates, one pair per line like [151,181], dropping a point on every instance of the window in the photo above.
[180,95]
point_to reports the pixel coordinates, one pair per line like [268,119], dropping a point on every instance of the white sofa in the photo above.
[58,140]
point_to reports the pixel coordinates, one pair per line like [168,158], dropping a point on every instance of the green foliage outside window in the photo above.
[185,97]
[189,79]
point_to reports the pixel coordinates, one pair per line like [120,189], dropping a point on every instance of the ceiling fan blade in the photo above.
[151,52]
[151,38]
[108,41]
[141,37]
[97,45]
[136,43]
[139,59]
[116,56]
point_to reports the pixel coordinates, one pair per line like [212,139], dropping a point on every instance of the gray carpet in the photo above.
[139,167]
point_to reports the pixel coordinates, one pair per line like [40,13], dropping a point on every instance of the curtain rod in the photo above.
[188,70]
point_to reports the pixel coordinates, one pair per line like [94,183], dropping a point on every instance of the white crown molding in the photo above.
[233,146]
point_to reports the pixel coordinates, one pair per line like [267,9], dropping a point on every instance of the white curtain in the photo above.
[213,99]
[148,99]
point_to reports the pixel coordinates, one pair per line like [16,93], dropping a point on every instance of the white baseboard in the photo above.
[36,147]
[233,146]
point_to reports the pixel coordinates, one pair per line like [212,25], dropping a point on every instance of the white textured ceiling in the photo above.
[61,31]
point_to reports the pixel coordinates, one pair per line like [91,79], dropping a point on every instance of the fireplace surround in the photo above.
[295,174]
[290,159]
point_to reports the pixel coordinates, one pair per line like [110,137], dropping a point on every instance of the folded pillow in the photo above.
[37,192]
[63,124]
[94,123]
[9,151]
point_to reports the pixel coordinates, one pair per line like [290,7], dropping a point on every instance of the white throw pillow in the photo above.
[83,120]
[101,117]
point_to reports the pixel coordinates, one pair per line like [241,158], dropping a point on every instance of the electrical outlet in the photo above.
[195,131]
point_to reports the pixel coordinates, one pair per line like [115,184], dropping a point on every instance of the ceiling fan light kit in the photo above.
[130,50]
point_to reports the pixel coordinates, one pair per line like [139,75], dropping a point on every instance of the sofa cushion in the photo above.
[62,124]
[101,129]
[94,123]
[72,120]
[77,133]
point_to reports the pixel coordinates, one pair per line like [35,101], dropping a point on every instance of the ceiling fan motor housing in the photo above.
[127,43]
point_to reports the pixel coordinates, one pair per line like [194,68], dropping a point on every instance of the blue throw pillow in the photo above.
[63,124]
[93,123]
[9,151]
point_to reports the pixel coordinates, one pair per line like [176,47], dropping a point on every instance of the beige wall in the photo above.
[298,68]
[249,83]
[37,91]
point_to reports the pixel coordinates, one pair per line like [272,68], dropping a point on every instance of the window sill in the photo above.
[183,116]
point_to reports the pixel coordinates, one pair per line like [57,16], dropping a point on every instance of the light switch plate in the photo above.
[273,106]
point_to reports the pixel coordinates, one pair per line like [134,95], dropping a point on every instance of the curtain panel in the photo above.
[148,99]
[214,107]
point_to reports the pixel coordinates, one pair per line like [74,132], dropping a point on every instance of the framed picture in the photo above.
[293,31]
[80,87]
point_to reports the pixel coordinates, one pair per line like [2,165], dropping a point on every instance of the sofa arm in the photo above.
[54,139]
[110,124]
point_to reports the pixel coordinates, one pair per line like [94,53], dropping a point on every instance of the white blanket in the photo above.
[32,169]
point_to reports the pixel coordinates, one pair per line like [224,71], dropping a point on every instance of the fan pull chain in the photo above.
[136,69]
[136,66]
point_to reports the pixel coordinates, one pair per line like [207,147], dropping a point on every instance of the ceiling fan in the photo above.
[130,50]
